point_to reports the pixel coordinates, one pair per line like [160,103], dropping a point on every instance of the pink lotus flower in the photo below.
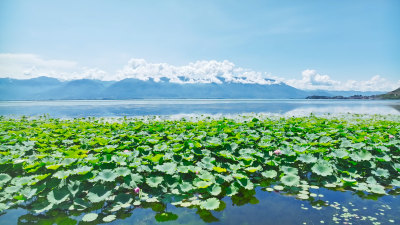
[365,137]
[278,152]
[197,172]
[126,151]
[137,190]
[391,136]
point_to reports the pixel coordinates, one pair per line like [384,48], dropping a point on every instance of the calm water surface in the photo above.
[109,108]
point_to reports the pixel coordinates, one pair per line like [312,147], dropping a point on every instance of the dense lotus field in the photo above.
[101,169]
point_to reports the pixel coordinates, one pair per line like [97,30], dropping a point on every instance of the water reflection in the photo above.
[109,108]
[247,207]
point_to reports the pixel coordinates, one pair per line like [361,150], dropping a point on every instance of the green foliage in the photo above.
[83,165]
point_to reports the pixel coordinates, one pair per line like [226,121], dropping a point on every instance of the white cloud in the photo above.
[26,66]
[197,72]
[311,80]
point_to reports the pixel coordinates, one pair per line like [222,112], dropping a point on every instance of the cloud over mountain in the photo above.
[26,66]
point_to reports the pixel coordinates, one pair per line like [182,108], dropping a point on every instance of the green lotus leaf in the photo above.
[219,169]
[12,189]
[247,151]
[362,155]
[28,192]
[3,207]
[183,169]
[307,158]
[214,142]
[381,172]
[289,170]
[98,193]
[123,198]
[154,181]
[215,190]
[57,196]
[61,174]
[232,190]
[74,187]
[377,189]
[185,186]
[68,161]
[107,175]
[358,145]
[90,217]
[165,216]
[202,184]
[395,183]
[325,139]
[41,206]
[340,153]
[269,174]
[206,176]
[168,168]
[122,171]
[322,169]
[253,169]
[290,180]
[4,178]
[82,170]
[210,204]
[246,183]
[396,166]
[109,218]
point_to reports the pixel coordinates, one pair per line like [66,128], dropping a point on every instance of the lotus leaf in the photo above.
[216,190]
[165,216]
[109,218]
[98,193]
[322,168]
[269,174]
[168,168]
[202,184]
[4,178]
[122,171]
[290,180]
[90,217]
[362,155]
[307,158]
[107,175]
[57,196]
[381,173]
[210,204]
[154,181]
[185,187]
[289,170]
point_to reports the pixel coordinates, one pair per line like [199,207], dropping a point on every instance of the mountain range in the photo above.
[46,88]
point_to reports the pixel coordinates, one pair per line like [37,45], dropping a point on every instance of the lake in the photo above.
[129,108]
[259,207]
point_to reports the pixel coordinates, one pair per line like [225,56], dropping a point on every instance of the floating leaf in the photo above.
[290,180]
[107,175]
[269,174]
[307,158]
[210,204]
[154,181]
[185,187]
[381,172]
[322,169]
[90,217]
[57,196]
[98,193]
[165,216]
[109,218]
[122,171]
[4,178]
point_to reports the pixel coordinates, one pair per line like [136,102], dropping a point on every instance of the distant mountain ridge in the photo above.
[391,95]
[46,88]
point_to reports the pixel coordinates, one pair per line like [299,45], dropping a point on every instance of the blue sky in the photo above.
[310,41]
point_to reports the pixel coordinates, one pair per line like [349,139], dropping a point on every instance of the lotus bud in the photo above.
[197,172]
[126,151]
[137,190]
[391,136]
